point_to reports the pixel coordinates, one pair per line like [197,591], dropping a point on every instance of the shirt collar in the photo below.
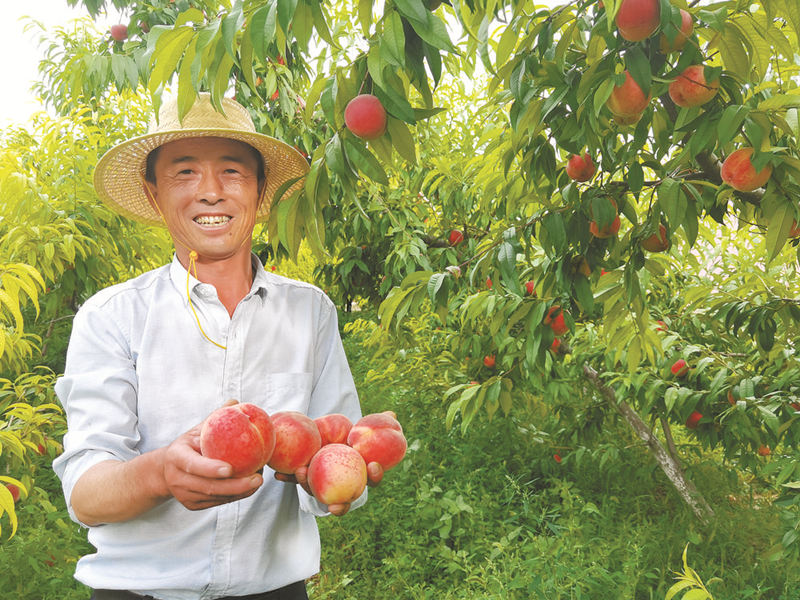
[178,275]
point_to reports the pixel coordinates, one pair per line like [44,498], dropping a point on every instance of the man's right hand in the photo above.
[199,482]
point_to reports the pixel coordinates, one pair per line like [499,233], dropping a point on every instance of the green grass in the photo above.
[490,514]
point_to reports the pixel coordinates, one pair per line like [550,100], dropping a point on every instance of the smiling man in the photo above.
[150,358]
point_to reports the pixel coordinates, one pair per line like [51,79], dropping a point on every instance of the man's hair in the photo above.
[150,164]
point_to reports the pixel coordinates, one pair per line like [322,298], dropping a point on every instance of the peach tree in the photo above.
[588,193]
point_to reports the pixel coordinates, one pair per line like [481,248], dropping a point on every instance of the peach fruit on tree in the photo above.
[485,103]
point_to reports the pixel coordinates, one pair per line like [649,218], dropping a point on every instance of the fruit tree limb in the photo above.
[671,468]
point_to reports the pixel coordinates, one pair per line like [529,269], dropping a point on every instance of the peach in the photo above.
[530,288]
[242,435]
[687,25]
[637,20]
[679,368]
[119,32]
[580,168]
[555,319]
[627,101]
[379,438]
[456,237]
[337,474]
[690,88]
[607,231]
[365,116]
[738,172]
[694,419]
[333,428]
[297,440]
[657,242]
[14,491]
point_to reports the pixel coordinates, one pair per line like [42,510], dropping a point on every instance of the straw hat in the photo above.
[119,176]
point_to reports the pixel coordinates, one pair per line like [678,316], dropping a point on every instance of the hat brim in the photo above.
[119,175]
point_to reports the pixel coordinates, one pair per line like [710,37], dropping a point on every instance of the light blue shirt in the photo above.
[139,373]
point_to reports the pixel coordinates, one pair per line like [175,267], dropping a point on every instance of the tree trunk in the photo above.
[668,464]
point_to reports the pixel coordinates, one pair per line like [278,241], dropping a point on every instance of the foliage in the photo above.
[58,245]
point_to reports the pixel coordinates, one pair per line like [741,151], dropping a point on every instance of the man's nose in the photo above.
[210,188]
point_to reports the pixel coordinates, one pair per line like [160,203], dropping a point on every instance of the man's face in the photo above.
[207,189]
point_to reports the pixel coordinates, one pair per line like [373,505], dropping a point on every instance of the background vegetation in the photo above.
[537,476]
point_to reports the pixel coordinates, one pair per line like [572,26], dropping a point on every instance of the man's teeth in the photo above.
[209,220]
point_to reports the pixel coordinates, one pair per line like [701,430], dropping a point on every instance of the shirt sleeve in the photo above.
[333,391]
[98,393]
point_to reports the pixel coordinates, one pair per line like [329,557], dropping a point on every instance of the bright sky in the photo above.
[21,52]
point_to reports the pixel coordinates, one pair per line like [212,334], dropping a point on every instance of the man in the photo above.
[150,358]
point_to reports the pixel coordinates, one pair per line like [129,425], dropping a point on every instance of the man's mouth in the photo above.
[212,220]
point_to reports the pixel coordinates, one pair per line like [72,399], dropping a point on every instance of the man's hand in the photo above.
[199,482]
[300,477]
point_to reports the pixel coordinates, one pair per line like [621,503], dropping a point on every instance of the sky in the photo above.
[18,73]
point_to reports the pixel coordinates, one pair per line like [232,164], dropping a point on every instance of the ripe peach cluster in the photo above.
[694,86]
[335,450]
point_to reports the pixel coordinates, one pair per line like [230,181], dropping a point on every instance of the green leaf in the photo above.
[286,10]
[780,223]
[434,285]
[231,24]
[169,49]
[365,15]
[365,161]
[402,140]
[393,40]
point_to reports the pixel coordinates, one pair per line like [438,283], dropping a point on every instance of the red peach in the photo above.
[690,88]
[333,428]
[795,405]
[605,232]
[555,319]
[378,437]
[694,419]
[580,168]
[795,229]
[119,32]
[14,491]
[661,326]
[530,288]
[764,451]
[687,25]
[337,474]
[679,368]
[489,361]
[365,116]
[657,242]
[242,435]
[738,172]
[297,440]
[637,20]
[489,282]
[627,100]
[456,237]
[555,345]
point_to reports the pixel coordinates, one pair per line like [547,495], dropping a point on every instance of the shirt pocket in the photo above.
[288,391]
